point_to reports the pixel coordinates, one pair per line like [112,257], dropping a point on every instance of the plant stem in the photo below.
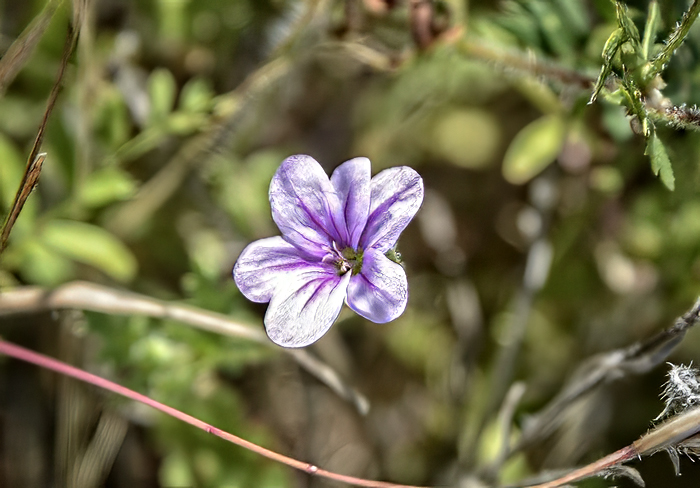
[26,355]
[674,41]
[617,457]
[525,63]
[81,295]
[36,159]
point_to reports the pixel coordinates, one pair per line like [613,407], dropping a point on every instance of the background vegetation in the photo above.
[545,239]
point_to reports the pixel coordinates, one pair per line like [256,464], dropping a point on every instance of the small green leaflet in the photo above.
[394,255]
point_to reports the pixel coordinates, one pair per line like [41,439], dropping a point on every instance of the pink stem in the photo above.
[65,369]
[617,457]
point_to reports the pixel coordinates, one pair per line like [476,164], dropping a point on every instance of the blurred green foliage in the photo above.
[174,116]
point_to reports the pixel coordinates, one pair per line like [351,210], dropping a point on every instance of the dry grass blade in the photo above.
[22,48]
[35,160]
[82,295]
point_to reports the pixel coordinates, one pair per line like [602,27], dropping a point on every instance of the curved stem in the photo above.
[617,457]
[26,355]
[82,295]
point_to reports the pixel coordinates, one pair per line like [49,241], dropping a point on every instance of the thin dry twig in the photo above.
[529,64]
[23,354]
[638,358]
[22,48]
[35,160]
[668,434]
[97,298]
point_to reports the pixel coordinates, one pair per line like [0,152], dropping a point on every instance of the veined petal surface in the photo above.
[305,306]
[396,196]
[303,200]
[380,291]
[263,264]
[351,181]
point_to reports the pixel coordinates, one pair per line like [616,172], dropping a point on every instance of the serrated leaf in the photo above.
[612,45]
[534,148]
[660,163]
[105,186]
[91,245]
[626,23]
[599,83]
[161,90]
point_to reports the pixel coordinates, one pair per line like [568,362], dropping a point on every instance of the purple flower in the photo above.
[337,235]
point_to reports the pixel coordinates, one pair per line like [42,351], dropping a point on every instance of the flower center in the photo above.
[346,259]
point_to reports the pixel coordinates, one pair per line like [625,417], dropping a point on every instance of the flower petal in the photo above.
[302,201]
[351,181]
[305,307]
[263,264]
[380,291]
[397,194]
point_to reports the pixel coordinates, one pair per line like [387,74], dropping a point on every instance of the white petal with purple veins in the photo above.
[305,306]
[263,264]
[351,181]
[397,194]
[380,291]
[302,201]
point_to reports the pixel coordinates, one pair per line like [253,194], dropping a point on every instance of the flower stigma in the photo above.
[346,259]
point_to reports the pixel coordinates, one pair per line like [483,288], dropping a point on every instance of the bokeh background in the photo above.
[544,239]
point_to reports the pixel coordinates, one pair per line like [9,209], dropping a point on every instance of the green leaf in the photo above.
[660,163]
[91,245]
[196,96]
[651,28]
[42,265]
[539,94]
[612,45]
[626,23]
[534,148]
[161,89]
[105,186]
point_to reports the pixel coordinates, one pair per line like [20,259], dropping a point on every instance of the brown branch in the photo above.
[667,435]
[82,295]
[605,368]
[35,160]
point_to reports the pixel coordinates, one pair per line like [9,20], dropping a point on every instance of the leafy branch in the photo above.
[629,59]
